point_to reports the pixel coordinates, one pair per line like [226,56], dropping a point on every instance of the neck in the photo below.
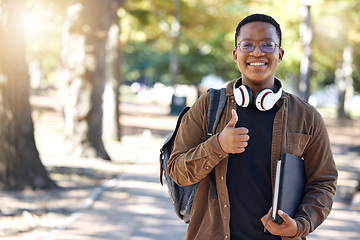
[256,87]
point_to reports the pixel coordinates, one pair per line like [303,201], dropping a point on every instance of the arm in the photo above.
[321,173]
[193,156]
[320,188]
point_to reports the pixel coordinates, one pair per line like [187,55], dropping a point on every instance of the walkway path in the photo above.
[343,222]
[137,207]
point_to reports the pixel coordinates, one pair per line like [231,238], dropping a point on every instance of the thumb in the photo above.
[234,119]
[284,216]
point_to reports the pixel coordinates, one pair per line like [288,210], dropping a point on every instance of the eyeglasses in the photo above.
[265,46]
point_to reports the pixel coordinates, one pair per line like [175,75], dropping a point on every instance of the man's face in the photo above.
[258,67]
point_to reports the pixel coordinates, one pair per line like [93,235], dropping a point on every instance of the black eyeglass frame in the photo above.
[258,44]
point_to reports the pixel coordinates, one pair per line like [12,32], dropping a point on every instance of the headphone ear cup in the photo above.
[243,96]
[265,100]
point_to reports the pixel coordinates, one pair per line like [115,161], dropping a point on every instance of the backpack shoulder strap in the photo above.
[216,106]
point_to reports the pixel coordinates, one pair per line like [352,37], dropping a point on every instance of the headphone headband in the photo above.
[277,83]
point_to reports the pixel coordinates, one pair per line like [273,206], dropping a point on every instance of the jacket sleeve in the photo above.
[321,173]
[193,156]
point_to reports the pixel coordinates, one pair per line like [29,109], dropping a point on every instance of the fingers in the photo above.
[233,139]
[269,212]
[265,218]
[287,228]
[240,139]
[232,144]
[241,131]
[239,149]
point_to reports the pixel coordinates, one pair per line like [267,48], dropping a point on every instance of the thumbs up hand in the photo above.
[232,139]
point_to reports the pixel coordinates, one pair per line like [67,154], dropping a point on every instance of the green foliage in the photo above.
[206,40]
[207,29]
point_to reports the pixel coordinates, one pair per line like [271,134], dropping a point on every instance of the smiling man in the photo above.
[259,123]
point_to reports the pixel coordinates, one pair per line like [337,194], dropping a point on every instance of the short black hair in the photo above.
[259,18]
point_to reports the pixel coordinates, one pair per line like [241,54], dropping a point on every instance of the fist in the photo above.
[232,139]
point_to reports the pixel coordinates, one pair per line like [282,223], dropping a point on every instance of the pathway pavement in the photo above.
[137,207]
[343,223]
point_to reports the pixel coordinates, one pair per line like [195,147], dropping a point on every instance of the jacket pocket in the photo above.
[297,143]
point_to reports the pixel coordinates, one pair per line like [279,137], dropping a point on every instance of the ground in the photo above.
[25,213]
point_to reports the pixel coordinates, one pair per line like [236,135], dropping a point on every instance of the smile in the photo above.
[257,64]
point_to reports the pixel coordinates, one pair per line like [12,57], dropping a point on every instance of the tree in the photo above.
[20,164]
[337,39]
[345,84]
[175,34]
[83,62]
[305,66]
[114,63]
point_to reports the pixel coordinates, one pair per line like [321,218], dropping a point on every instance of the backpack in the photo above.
[183,197]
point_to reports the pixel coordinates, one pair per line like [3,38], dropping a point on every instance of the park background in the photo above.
[84,84]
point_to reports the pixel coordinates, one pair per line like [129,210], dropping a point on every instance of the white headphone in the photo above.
[264,100]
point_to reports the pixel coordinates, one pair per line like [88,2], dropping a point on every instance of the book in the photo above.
[289,186]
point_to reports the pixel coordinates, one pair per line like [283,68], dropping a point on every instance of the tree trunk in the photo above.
[175,32]
[20,164]
[345,84]
[83,62]
[295,84]
[111,96]
[305,64]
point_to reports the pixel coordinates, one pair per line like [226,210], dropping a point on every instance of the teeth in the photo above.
[257,64]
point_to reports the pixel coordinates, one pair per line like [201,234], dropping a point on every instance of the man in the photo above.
[260,122]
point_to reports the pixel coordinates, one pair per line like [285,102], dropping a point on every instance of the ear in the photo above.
[235,54]
[281,54]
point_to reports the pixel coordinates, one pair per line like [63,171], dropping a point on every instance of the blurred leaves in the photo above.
[207,37]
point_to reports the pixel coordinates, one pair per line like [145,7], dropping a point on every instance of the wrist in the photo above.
[219,139]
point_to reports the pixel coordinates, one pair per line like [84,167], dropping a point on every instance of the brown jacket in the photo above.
[194,157]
